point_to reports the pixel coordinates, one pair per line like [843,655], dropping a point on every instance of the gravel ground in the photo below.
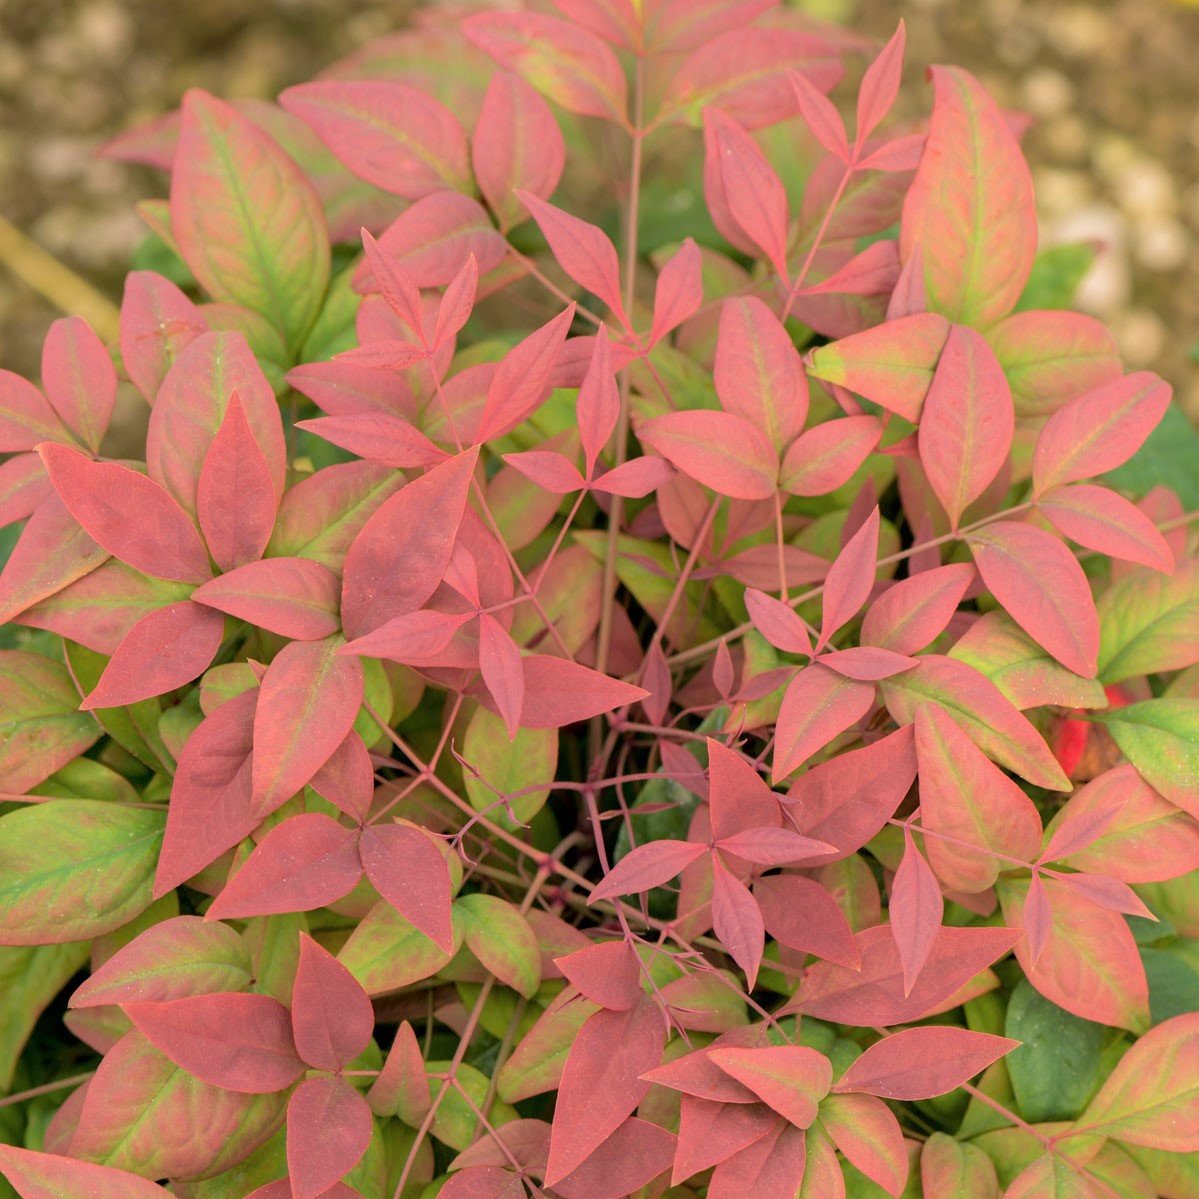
[1112,85]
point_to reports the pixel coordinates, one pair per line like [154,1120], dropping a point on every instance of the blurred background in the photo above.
[1113,86]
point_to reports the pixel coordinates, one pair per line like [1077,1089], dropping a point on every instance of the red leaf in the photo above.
[457,302]
[1098,431]
[912,613]
[967,423]
[294,597]
[399,290]
[598,405]
[867,662]
[500,666]
[868,1134]
[820,115]
[378,437]
[636,478]
[737,922]
[331,1017]
[601,1083]
[758,373]
[308,701]
[49,1176]
[771,1168]
[329,1127]
[237,1042]
[616,21]
[157,323]
[1042,587]
[679,290]
[850,578]
[697,1075]
[303,863]
[131,516]
[880,85]
[416,639]
[409,871]
[608,974]
[235,496]
[551,471]
[819,705]
[777,622]
[24,486]
[483,1182]
[719,450]
[647,866]
[752,191]
[389,134]
[582,250]
[772,846]
[1037,917]
[1101,520]
[402,1088]
[801,914]
[400,555]
[916,910]
[559,692]
[791,1079]
[347,779]
[164,650]
[516,145]
[921,1063]
[1108,893]
[711,1132]
[631,1158]
[739,799]
[523,378]
[827,456]
[79,379]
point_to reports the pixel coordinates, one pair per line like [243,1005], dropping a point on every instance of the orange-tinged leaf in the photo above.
[950,1168]
[970,208]
[866,1131]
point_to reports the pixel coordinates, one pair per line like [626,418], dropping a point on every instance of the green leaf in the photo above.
[1055,276]
[385,952]
[1167,459]
[1149,622]
[30,977]
[1057,1069]
[1173,982]
[1160,737]
[72,869]
[456,1119]
[506,766]
[502,939]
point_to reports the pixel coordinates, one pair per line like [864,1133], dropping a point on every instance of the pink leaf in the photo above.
[49,1176]
[293,597]
[608,974]
[636,478]
[791,1079]
[516,145]
[850,578]
[523,379]
[237,1042]
[772,846]
[967,424]
[457,302]
[1108,893]
[866,1131]
[777,622]
[409,871]
[719,450]
[329,1127]
[598,405]
[1043,588]
[131,516]
[26,418]
[679,290]
[303,863]
[646,867]
[79,379]
[551,471]
[801,914]
[235,495]
[503,674]
[819,705]
[398,288]
[402,1087]
[400,555]
[697,1075]
[872,272]
[828,455]
[737,922]
[820,115]
[378,437]
[916,909]
[331,1017]
[867,662]
[631,1158]
[559,692]
[1101,520]
[157,323]
[415,639]
[880,85]
[912,613]
[347,779]
[166,649]
[769,1168]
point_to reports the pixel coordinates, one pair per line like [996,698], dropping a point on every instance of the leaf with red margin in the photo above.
[601,1083]
[850,578]
[293,597]
[409,871]
[331,1017]
[516,144]
[949,1168]
[679,290]
[646,867]
[400,555]
[758,373]
[563,61]
[1050,1174]
[1098,431]
[235,494]
[303,863]
[736,921]
[1042,587]
[158,322]
[631,1158]
[50,1176]
[1150,1097]
[210,808]
[967,423]
[828,455]
[237,1042]
[79,379]
[608,974]
[916,909]
[524,377]
[559,692]
[891,364]
[966,797]
[867,1132]
[770,1168]
[819,705]
[1089,962]
[1101,520]
[751,189]
[329,1126]
[801,914]
[401,1088]
[234,188]
[912,613]
[791,1079]
[166,649]
[183,956]
[388,133]
[719,450]
[874,994]
[970,207]
[921,1063]
[583,251]
[307,703]
[132,517]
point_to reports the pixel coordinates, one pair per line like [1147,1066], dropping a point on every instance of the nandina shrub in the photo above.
[546,719]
